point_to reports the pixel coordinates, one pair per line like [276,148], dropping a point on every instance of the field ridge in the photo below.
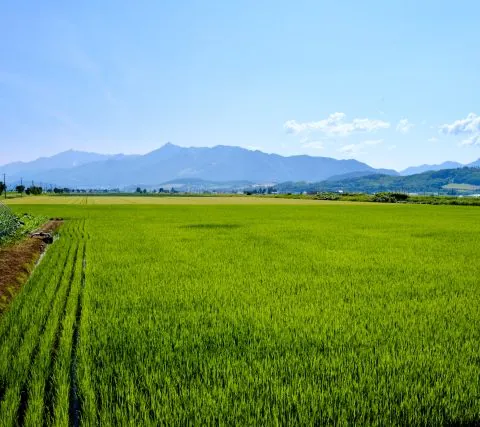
[75,401]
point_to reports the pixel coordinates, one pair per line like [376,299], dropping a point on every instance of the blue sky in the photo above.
[390,83]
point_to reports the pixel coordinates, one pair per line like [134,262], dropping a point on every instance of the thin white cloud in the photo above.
[304,140]
[351,149]
[433,139]
[317,145]
[358,148]
[336,125]
[391,147]
[404,126]
[373,142]
[473,140]
[470,125]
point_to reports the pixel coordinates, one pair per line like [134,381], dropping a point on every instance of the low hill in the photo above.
[432,181]
[358,174]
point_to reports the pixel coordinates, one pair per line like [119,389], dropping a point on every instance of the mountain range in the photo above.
[220,164]
[425,168]
[171,162]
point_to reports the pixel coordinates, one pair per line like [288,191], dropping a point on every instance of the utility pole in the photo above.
[21,185]
[5,185]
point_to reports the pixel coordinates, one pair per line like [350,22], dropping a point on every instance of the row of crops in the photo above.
[263,315]
[37,337]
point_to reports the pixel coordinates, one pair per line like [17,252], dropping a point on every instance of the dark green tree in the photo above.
[34,190]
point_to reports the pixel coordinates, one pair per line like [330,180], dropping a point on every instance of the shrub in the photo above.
[390,197]
[8,223]
[327,196]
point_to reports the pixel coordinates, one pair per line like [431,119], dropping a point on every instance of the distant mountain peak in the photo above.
[425,168]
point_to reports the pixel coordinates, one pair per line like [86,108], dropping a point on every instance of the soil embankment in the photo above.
[18,260]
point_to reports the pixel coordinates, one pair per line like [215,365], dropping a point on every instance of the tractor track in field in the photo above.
[75,402]
[24,393]
[49,393]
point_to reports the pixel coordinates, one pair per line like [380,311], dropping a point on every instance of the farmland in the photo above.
[158,200]
[177,311]
[465,187]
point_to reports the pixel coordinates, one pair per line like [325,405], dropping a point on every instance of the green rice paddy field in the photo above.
[246,312]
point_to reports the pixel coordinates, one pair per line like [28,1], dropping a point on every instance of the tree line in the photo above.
[160,190]
[34,190]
